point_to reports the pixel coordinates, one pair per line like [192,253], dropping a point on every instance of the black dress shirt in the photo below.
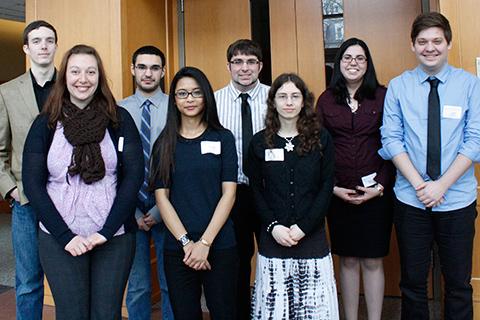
[296,190]
[41,93]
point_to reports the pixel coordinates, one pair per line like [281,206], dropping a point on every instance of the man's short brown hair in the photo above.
[431,20]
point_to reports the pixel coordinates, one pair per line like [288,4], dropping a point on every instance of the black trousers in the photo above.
[219,285]
[246,224]
[453,231]
[90,286]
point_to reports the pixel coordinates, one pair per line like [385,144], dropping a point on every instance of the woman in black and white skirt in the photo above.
[290,167]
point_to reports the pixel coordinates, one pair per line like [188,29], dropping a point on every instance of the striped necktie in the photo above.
[144,195]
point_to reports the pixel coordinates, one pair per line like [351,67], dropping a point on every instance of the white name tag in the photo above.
[452,112]
[368,180]
[120,144]
[274,155]
[211,147]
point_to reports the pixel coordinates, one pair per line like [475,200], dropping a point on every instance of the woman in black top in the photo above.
[195,177]
[290,167]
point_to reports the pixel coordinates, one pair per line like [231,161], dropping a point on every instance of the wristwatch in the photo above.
[184,240]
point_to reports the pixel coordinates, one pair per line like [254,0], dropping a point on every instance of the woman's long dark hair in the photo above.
[163,153]
[307,124]
[338,84]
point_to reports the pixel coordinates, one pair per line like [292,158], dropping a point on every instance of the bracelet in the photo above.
[205,242]
[379,188]
[271,225]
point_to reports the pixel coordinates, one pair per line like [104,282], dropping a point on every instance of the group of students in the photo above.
[216,154]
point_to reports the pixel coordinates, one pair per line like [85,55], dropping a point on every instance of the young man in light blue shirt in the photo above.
[431,132]
[148,108]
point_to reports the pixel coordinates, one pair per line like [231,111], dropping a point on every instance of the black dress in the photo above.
[358,230]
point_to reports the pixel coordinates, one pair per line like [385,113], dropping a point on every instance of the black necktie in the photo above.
[247,129]
[433,140]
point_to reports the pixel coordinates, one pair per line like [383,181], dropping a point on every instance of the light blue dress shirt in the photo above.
[158,113]
[405,123]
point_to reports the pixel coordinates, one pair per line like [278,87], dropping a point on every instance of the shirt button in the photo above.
[291,194]
[291,182]
[292,206]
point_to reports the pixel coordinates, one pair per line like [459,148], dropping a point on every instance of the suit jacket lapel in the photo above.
[26,90]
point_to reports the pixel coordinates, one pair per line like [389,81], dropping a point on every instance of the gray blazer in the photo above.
[18,109]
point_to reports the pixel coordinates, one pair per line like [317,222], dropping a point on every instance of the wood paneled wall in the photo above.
[210,27]
[464,21]
[385,27]
[143,23]
[296,41]
[96,23]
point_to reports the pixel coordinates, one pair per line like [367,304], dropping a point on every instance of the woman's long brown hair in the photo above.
[54,104]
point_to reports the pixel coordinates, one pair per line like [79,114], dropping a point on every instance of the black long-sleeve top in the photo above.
[130,172]
[296,190]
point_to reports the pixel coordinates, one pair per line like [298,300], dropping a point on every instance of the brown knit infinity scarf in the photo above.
[84,130]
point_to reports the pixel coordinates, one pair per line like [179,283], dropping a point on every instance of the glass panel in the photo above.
[333,32]
[332,7]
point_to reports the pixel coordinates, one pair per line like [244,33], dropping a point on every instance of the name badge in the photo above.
[211,147]
[120,144]
[368,180]
[274,154]
[452,112]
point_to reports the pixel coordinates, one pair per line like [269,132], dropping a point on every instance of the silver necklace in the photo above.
[288,144]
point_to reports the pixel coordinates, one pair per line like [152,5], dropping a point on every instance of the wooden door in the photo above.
[210,27]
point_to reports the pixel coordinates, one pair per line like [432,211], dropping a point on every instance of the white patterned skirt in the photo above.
[294,289]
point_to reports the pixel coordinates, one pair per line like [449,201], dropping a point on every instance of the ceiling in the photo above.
[12,10]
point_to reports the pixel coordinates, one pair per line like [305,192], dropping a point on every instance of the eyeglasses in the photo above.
[283,97]
[240,62]
[358,59]
[144,68]
[183,94]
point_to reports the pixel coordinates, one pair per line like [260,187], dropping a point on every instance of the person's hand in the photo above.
[296,233]
[281,234]
[197,256]
[96,239]
[149,220]
[142,225]
[78,246]
[347,195]
[14,195]
[431,193]
[368,193]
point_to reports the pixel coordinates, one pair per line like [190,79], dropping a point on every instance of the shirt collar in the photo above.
[48,82]
[442,75]
[156,99]
[252,92]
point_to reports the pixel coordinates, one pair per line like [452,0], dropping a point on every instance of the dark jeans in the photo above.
[90,286]
[453,231]
[246,224]
[219,285]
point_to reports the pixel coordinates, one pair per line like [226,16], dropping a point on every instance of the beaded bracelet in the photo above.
[271,225]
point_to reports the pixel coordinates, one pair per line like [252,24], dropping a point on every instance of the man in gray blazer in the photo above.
[21,99]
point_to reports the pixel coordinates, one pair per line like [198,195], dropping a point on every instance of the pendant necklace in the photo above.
[289,145]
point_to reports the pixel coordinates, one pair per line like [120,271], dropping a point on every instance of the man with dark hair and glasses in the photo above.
[21,100]
[242,106]
[148,108]
[431,132]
